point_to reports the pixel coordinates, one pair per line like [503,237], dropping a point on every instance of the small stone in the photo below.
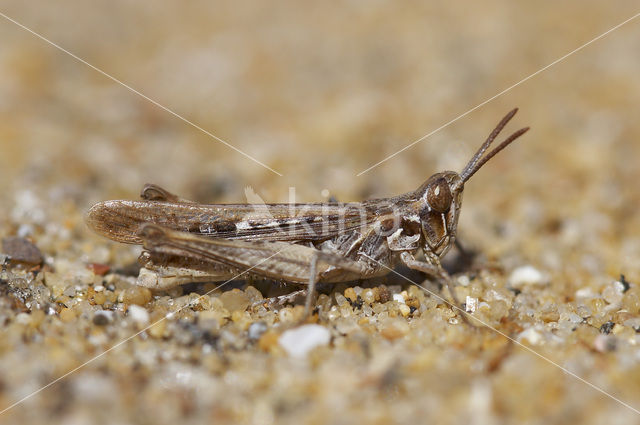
[256,330]
[341,300]
[413,303]
[607,327]
[405,310]
[299,341]
[37,316]
[23,319]
[548,313]
[604,343]
[136,295]
[102,318]
[269,340]
[285,315]
[382,294]
[158,329]
[530,335]
[463,280]
[21,250]
[67,315]
[471,304]
[368,296]
[526,275]
[399,298]
[394,328]
[351,295]
[99,298]
[242,319]
[221,315]
[346,326]
[570,317]
[613,293]
[98,269]
[333,313]
[346,311]
[235,300]
[138,314]
[323,302]
[69,291]
[253,294]
[625,284]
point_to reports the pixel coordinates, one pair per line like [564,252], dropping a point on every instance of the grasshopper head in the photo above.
[441,195]
[440,200]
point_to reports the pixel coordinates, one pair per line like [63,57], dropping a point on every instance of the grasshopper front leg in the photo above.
[435,270]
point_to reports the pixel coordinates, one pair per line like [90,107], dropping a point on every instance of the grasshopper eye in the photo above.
[439,196]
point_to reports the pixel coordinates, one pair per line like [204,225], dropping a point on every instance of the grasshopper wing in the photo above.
[120,220]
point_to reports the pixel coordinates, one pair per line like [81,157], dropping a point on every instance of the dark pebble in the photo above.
[607,327]
[21,250]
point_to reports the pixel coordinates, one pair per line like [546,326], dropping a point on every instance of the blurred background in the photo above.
[320,92]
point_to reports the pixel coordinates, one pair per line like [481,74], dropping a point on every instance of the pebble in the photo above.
[604,343]
[103,317]
[570,317]
[67,315]
[242,319]
[138,314]
[471,304]
[399,298]
[613,294]
[526,275]
[158,329]
[393,328]
[136,295]
[23,318]
[98,269]
[99,298]
[531,335]
[21,250]
[341,300]
[405,310]
[350,294]
[299,341]
[256,329]
[235,300]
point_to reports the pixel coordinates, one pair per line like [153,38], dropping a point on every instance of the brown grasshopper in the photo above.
[297,243]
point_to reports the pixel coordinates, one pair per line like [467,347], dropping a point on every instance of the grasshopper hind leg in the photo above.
[153,192]
[162,272]
[297,264]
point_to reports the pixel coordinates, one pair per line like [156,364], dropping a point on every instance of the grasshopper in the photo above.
[299,243]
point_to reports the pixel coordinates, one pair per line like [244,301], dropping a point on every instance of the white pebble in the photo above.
[23,318]
[299,341]
[140,315]
[463,280]
[613,293]
[399,298]
[570,317]
[526,275]
[532,335]
[585,293]
[471,304]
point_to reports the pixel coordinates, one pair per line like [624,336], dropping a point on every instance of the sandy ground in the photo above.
[320,93]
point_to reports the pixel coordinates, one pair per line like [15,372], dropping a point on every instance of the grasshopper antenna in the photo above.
[477,161]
